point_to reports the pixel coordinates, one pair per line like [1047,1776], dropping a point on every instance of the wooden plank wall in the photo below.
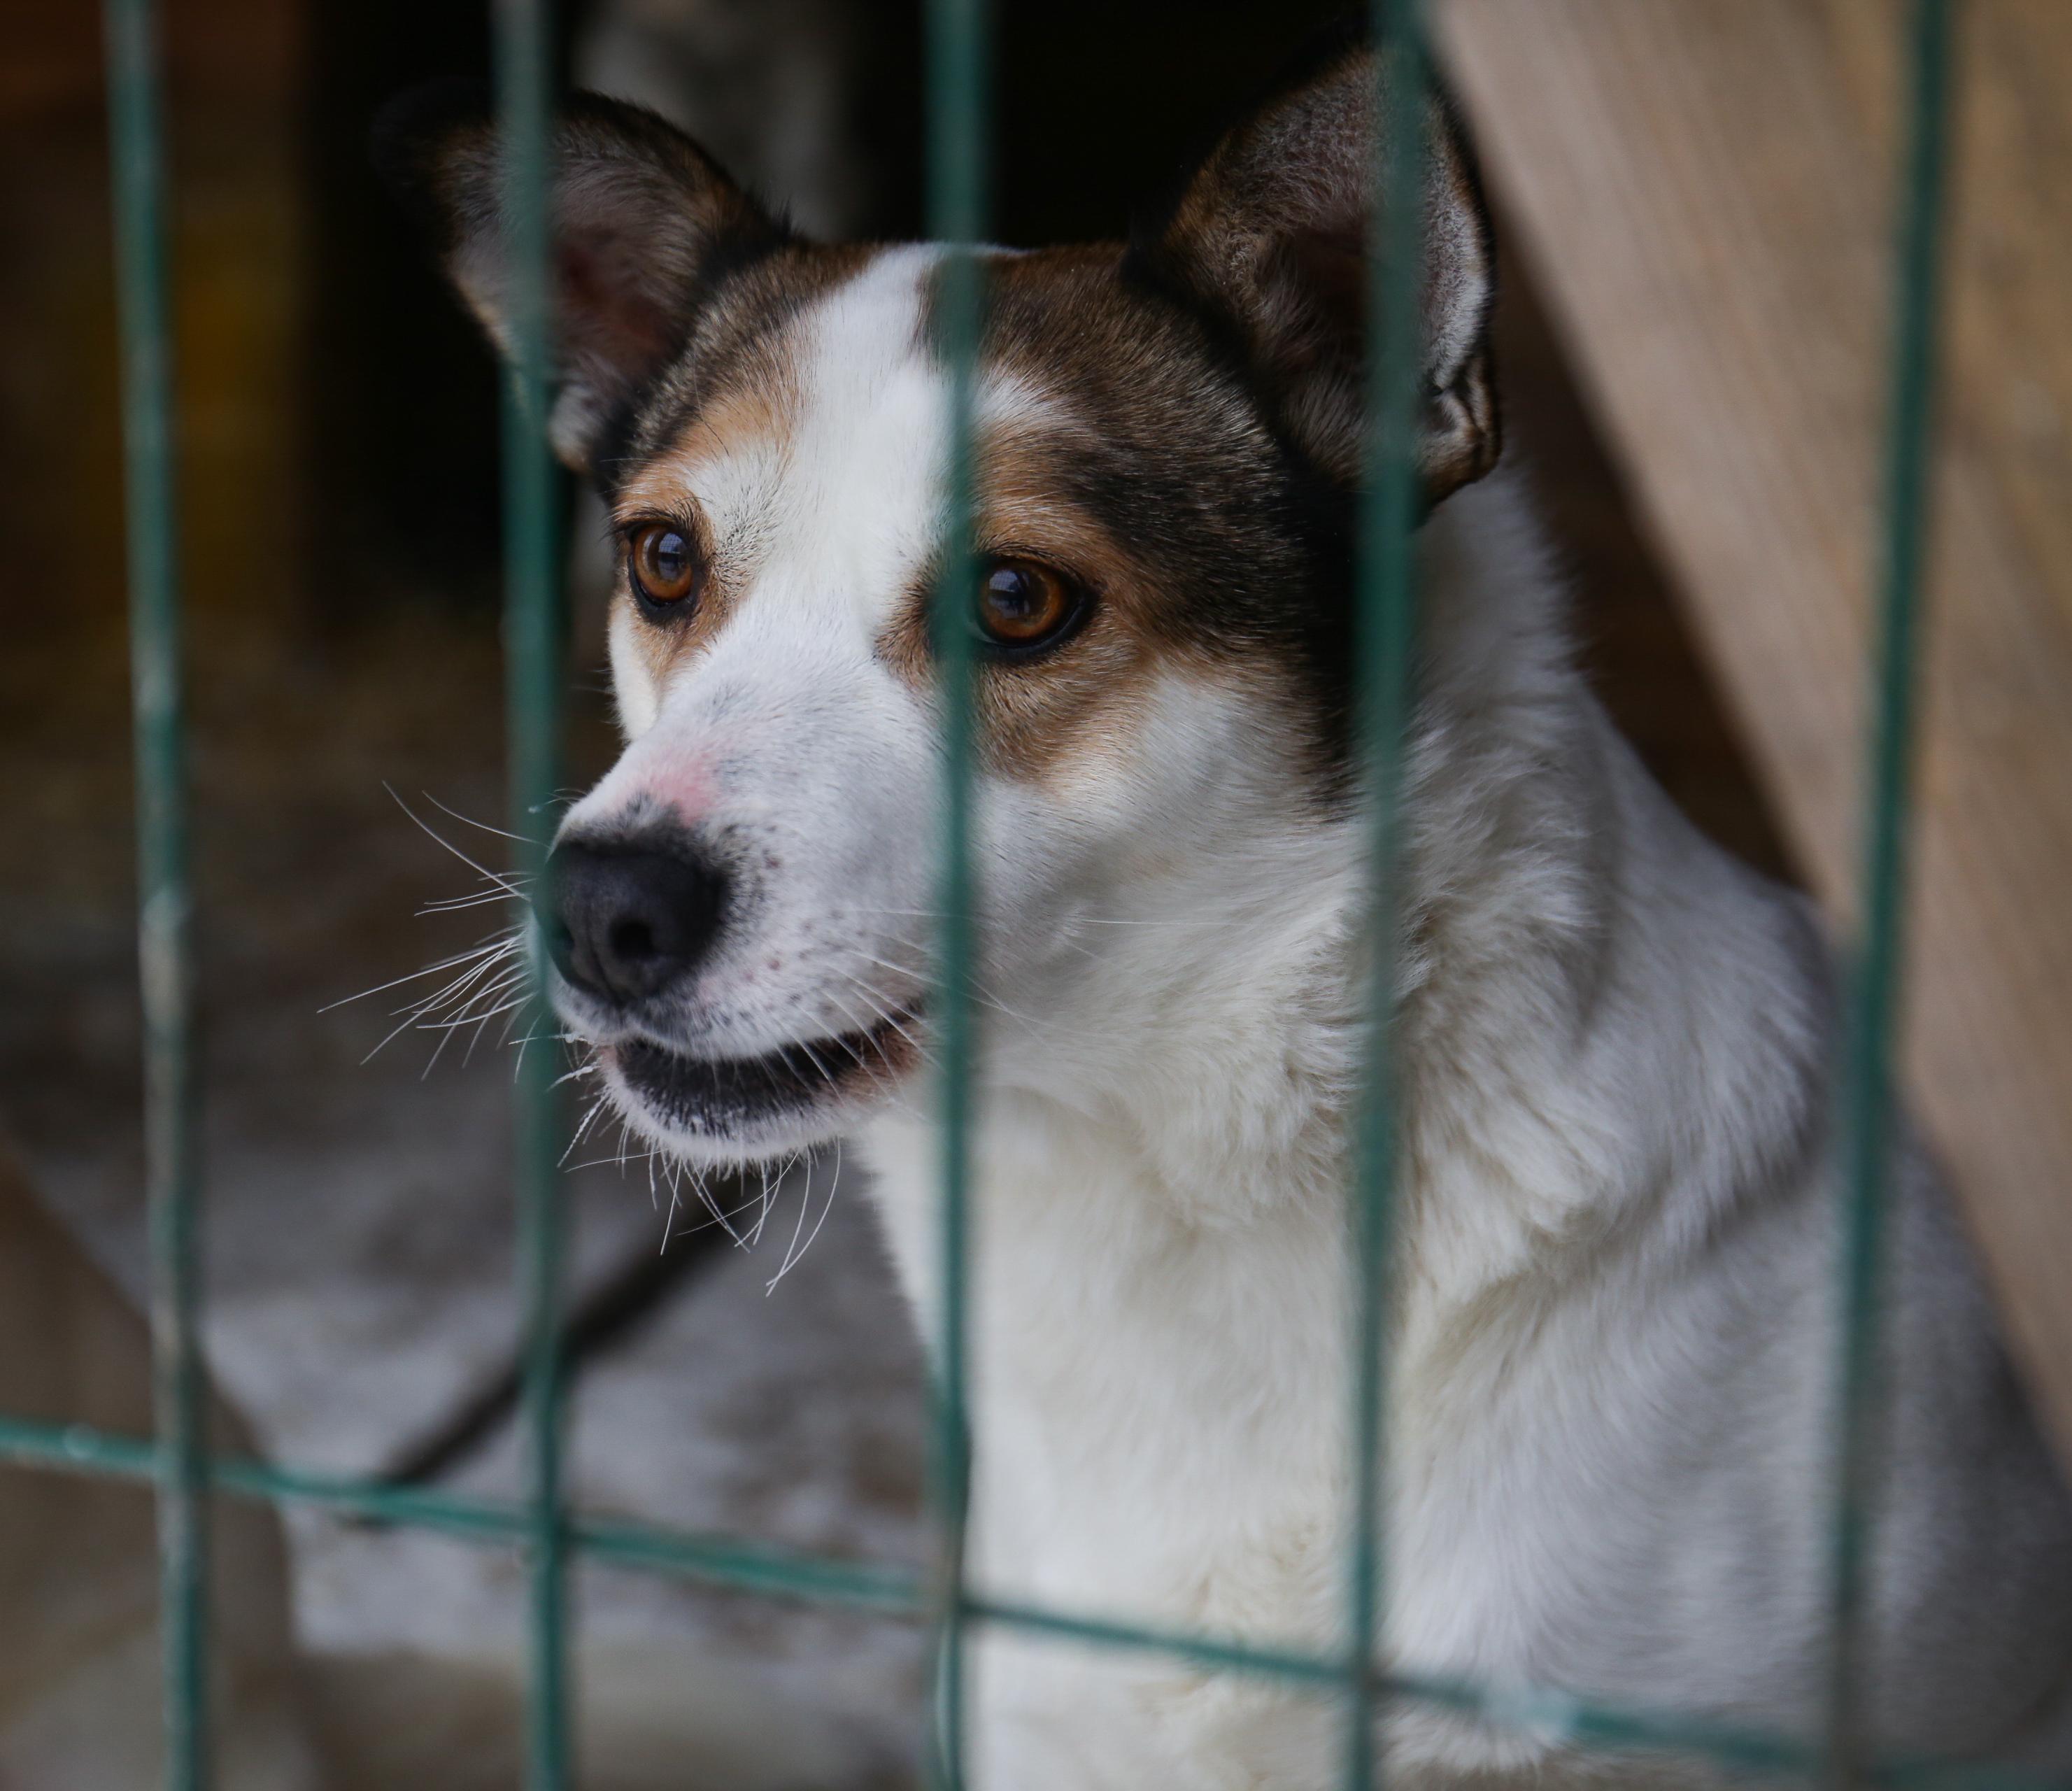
[1704,189]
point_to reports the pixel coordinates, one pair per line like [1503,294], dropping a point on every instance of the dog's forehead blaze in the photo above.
[1109,443]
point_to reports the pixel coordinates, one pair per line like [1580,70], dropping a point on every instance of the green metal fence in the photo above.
[176,1461]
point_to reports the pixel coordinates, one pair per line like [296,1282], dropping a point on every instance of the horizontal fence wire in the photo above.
[175,1463]
[532,710]
[734,1563]
[1386,634]
[1866,1093]
[137,172]
[771,1570]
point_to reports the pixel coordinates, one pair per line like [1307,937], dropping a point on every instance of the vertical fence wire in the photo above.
[532,655]
[165,945]
[1866,1093]
[958,152]
[1386,637]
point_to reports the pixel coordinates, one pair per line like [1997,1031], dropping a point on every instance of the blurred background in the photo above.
[340,563]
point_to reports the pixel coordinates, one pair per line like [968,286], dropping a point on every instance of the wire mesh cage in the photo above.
[177,1460]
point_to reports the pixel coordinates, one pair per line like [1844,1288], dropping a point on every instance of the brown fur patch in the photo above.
[732,386]
[755,411]
[732,347]
[1149,477]
[1087,696]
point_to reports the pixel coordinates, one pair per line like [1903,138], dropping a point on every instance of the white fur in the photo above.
[1612,1329]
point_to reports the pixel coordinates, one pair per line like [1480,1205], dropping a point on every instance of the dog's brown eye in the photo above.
[663,562]
[1023,604]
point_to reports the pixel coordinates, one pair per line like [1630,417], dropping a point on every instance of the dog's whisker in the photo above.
[460,995]
[791,1248]
[494,975]
[424,1074]
[721,1218]
[797,1252]
[1044,1030]
[480,1023]
[889,1017]
[769,1202]
[522,1045]
[710,1202]
[505,994]
[813,1057]
[1215,922]
[469,821]
[511,988]
[582,1129]
[615,1161]
[498,944]
[857,1027]
[409,1020]
[424,1012]
[475,1038]
[490,959]
[432,834]
[454,904]
[1167,923]
[598,1107]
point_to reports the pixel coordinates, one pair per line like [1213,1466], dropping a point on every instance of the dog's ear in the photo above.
[1269,231]
[643,221]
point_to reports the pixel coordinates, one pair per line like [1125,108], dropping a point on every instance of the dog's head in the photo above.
[1168,440]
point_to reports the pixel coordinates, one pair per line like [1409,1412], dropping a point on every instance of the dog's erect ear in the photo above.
[643,220]
[1269,232]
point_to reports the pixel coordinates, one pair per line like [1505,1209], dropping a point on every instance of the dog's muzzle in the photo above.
[633,920]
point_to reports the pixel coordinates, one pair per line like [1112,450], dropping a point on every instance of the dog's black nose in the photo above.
[628,919]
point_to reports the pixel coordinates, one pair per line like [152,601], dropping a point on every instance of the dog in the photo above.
[1612,1312]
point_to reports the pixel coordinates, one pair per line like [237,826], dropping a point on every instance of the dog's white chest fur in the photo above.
[1611,1332]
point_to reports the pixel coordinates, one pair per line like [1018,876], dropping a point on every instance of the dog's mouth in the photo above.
[734,1099]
